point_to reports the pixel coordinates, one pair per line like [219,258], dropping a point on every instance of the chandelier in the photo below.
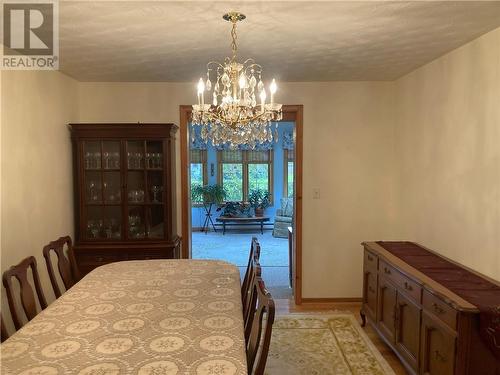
[236,112]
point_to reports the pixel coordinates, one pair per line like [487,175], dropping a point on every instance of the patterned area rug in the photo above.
[323,344]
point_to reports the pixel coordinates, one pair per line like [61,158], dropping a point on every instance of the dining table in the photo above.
[138,317]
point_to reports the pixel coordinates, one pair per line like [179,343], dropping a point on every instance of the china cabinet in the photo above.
[124,186]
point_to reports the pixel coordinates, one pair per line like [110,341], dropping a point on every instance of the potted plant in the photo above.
[208,195]
[259,201]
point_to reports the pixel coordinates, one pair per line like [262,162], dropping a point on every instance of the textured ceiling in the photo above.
[294,41]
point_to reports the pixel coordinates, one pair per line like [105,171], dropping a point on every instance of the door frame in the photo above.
[291,113]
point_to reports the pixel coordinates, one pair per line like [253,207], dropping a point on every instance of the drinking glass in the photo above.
[106,156]
[97,160]
[155,189]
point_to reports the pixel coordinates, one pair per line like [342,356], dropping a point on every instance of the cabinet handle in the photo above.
[387,270]
[370,258]
[439,356]
[437,308]
[408,286]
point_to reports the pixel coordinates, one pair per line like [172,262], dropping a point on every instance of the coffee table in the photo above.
[226,220]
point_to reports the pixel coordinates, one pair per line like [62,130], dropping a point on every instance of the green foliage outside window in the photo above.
[258,177]
[290,179]
[232,180]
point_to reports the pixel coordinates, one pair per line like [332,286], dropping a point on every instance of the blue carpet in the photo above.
[234,247]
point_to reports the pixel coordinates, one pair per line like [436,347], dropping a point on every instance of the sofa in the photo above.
[283,218]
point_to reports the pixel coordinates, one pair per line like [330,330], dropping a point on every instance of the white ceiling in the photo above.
[294,41]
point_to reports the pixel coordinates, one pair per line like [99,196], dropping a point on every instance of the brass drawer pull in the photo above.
[387,270]
[438,309]
[408,286]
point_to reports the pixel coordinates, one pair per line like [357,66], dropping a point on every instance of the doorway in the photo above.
[284,179]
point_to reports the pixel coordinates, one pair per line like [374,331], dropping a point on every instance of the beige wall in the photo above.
[348,155]
[448,152]
[36,174]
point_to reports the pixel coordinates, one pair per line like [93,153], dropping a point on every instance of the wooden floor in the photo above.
[284,306]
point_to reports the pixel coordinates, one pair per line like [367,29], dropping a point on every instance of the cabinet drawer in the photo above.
[370,261]
[98,258]
[403,283]
[440,309]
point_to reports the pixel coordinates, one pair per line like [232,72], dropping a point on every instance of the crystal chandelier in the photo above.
[238,113]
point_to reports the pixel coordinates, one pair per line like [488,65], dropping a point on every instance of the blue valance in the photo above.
[288,141]
[197,143]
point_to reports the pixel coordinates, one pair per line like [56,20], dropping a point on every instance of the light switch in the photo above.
[316,193]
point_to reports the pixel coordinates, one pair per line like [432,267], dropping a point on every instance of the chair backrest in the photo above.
[27,294]
[66,265]
[251,300]
[261,323]
[254,254]
[3,330]
[287,207]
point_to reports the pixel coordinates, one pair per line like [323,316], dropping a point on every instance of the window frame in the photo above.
[286,159]
[245,163]
[204,171]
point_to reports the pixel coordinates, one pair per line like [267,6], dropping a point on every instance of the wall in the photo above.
[36,171]
[198,213]
[348,155]
[448,149]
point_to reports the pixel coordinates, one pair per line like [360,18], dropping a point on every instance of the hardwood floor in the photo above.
[284,306]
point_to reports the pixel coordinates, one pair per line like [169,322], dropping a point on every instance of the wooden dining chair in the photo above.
[4,333]
[66,265]
[245,285]
[261,323]
[251,300]
[27,294]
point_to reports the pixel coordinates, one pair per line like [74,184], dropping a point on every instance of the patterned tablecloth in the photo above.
[138,317]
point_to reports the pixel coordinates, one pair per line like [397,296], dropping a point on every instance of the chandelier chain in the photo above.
[234,46]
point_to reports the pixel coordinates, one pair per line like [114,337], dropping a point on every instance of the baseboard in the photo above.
[331,300]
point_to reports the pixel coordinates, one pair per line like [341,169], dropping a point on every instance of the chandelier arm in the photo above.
[216,63]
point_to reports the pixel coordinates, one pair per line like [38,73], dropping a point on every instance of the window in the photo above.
[288,175]
[198,159]
[240,172]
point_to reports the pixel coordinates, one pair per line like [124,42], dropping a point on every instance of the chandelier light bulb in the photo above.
[262,100]
[243,81]
[201,86]
[273,87]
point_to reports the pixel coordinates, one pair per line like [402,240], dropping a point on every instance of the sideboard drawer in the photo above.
[371,261]
[403,283]
[440,309]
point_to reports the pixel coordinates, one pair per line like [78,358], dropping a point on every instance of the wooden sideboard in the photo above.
[432,330]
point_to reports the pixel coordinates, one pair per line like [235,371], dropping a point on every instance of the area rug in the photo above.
[322,344]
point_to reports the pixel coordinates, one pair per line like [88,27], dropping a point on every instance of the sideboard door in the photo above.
[438,347]
[386,309]
[370,293]
[408,330]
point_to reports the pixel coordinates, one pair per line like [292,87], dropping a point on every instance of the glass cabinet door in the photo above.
[145,197]
[102,190]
